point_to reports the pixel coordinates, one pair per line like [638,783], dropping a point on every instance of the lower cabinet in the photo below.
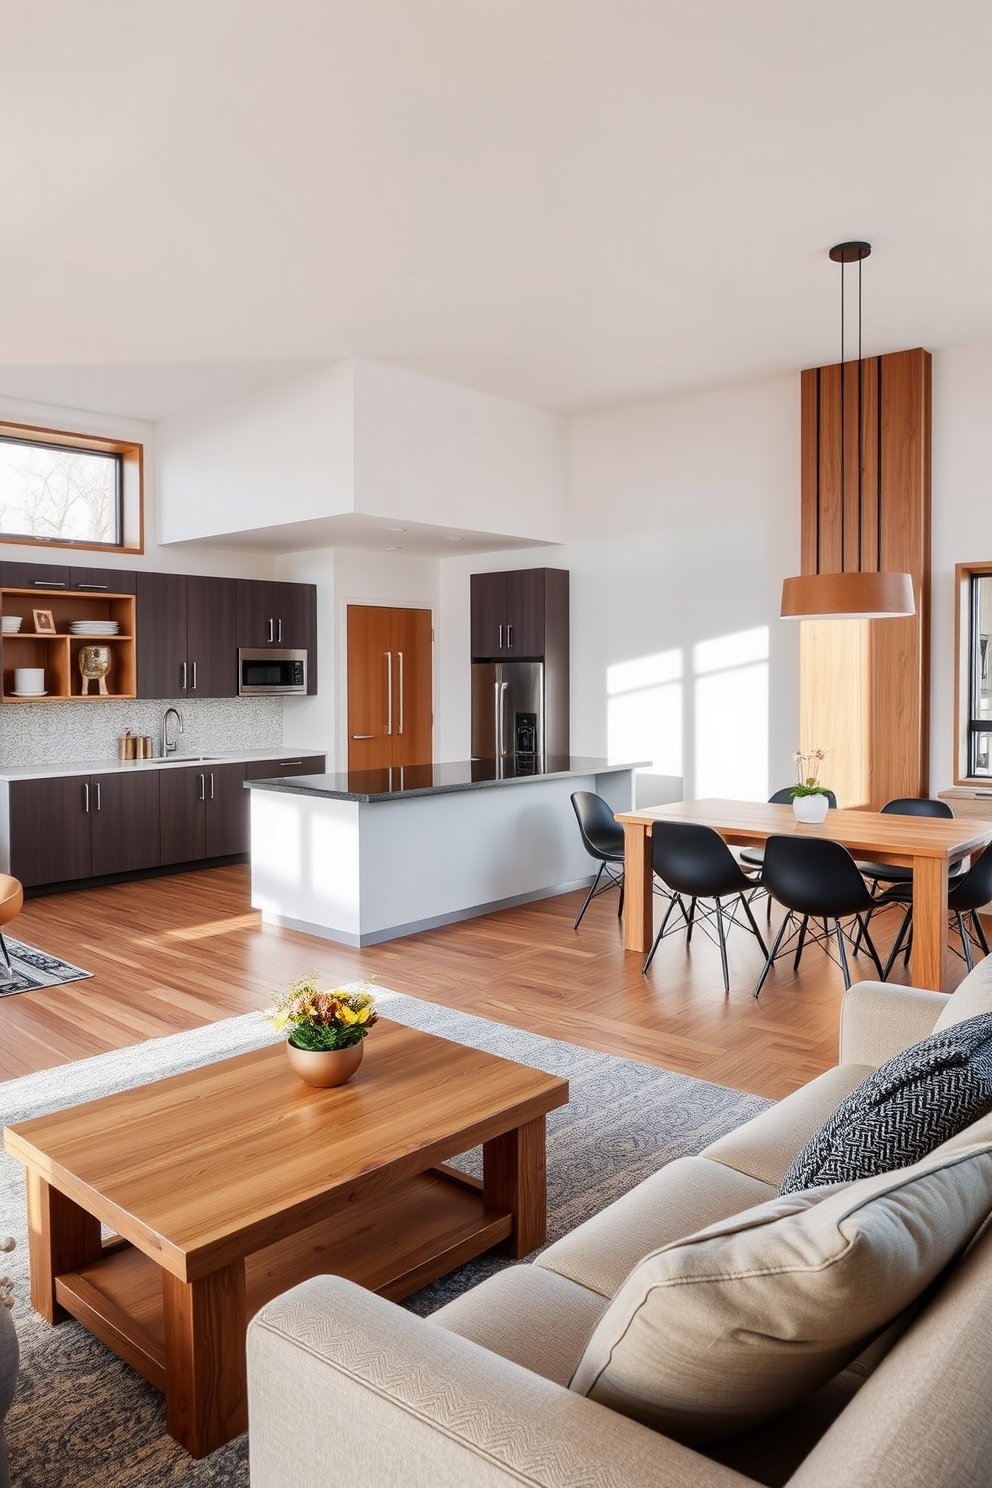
[307,764]
[70,827]
[203,812]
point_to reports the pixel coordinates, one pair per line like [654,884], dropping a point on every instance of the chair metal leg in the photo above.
[898,944]
[620,905]
[979,931]
[723,944]
[771,954]
[965,941]
[843,954]
[657,940]
[689,920]
[589,896]
[753,924]
[864,935]
[802,942]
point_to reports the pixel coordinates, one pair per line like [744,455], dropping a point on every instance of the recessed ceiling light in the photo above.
[395,529]
[448,538]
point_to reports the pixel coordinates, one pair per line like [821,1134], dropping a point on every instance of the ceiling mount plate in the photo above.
[846,253]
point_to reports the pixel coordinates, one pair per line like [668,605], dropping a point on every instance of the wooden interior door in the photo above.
[390,687]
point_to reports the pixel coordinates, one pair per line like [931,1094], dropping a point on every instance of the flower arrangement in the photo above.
[808,770]
[323,1020]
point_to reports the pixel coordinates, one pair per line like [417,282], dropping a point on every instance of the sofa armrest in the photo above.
[878,1020]
[345,1387]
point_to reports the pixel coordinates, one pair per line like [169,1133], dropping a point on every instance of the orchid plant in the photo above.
[808,771]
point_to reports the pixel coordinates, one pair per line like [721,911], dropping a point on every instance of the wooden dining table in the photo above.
[927,845]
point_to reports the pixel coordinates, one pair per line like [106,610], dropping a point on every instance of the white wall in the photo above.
[284,453]
[683,521]
[347,576]
[432,452]
[962,519]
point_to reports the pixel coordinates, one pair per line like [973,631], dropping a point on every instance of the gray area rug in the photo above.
[84,1419]
[33,969]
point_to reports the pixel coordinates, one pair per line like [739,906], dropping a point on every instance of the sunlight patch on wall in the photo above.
[731,716]
[644,711]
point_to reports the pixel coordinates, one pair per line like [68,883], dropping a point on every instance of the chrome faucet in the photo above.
[168,748]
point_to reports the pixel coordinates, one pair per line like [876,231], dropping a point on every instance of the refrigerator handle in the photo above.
[400,654]
[502,717]
[497,721]
[389,692]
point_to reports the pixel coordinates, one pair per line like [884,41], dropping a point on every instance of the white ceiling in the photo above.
[573,203]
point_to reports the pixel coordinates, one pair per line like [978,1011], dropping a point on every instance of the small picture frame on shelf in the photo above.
[44,622]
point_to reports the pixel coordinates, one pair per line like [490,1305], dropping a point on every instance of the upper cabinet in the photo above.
[280,615]
[36,576]
[520,615]
[187,645]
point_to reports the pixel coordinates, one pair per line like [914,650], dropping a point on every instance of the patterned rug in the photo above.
[33,969]
[84,1419]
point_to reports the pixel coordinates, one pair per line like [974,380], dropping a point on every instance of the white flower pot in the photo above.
[810,808]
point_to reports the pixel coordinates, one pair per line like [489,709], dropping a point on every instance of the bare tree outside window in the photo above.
[71,495]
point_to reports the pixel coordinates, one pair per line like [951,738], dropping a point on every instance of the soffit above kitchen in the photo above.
[571,205]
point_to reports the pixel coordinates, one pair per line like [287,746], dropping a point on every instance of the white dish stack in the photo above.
[29,681]
[10,624]
[94,627]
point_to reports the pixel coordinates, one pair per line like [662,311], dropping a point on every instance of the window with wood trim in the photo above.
[69,490]
[974,682]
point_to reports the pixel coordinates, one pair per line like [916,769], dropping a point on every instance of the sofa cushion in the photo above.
[903,1110]
[724,1329]
[680,1198]
[765,1146]
[973,996]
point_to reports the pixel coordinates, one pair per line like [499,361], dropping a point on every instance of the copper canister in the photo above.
[143,746]
[126,745]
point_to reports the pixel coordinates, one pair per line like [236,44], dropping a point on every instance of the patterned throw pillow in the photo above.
[922,1097]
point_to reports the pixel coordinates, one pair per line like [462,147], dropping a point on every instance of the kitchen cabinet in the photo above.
[187,645]
[56,652]
[270,613]
[82,826]
[204,812]
[102,580]
[306,764]
[516,615]
[35,576]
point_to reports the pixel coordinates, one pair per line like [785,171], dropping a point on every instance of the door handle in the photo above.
[363,736]
[98,795]
[279,631]
[389,692]
[271,631]
[400,655]
[193,688]
[211,785]
[501,638]
[185,673]
[86,796]
[203,789]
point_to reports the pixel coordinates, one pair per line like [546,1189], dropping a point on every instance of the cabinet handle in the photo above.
[286,763]
[509,638]
[389,692]
[92,586]
[279,635]
[86,796]
[400,654]
[501,638]
[98,795]
[193,688]
[48,583]
[211,785]
[271,631]
[184,677]
[363,736]
[203,789]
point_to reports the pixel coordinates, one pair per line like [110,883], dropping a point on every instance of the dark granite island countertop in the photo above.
[403,781]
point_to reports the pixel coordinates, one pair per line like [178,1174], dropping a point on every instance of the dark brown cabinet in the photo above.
[282,615]
[516,614]
[102,580]
[204,812]
[306,764]
[187,645]
[35,576]
[71,827]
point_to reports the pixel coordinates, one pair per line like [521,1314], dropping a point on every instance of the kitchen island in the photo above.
[376,854]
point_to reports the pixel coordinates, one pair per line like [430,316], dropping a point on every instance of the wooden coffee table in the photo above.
[230,1183]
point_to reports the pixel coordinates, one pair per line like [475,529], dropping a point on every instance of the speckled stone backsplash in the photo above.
[59,733]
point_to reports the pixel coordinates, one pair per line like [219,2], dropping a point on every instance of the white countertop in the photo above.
[113,767]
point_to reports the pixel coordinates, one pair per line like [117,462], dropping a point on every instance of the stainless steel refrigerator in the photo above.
[508,713]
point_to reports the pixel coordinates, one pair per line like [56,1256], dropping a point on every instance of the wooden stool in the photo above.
[11,901]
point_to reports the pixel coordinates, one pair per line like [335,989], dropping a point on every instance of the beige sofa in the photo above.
[349,1390]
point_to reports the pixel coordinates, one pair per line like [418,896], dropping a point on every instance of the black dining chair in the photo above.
[892,873]
[753,857]
[602,838]
[966,895]
[696,863]
[819,880]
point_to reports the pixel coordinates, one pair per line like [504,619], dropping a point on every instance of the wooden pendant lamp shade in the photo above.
[847,580]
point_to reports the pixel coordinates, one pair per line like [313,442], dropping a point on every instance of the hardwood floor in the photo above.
[177,952]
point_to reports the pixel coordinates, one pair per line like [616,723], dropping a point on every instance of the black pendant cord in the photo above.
[860,429]
[843,441]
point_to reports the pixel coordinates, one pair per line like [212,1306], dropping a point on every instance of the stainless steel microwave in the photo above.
[267,671]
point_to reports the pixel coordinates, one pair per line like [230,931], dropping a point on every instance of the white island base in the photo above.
[358,870]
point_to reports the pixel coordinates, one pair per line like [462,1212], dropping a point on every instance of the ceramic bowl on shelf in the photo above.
[10,624]
[29,680]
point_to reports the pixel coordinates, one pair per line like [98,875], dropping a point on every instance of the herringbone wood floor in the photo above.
[173,953]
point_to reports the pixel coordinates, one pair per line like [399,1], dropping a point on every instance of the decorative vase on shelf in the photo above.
[94,664]
[325,1067]
[811,808]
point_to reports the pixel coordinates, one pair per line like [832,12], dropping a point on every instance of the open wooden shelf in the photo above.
[58,654]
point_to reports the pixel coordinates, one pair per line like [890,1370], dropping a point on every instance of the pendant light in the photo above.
[852,594]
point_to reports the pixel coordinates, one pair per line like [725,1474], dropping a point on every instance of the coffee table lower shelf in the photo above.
[393,1244]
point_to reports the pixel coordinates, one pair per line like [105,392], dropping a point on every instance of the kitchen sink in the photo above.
[185,759]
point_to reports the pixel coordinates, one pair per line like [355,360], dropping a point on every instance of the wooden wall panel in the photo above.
[880,745]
